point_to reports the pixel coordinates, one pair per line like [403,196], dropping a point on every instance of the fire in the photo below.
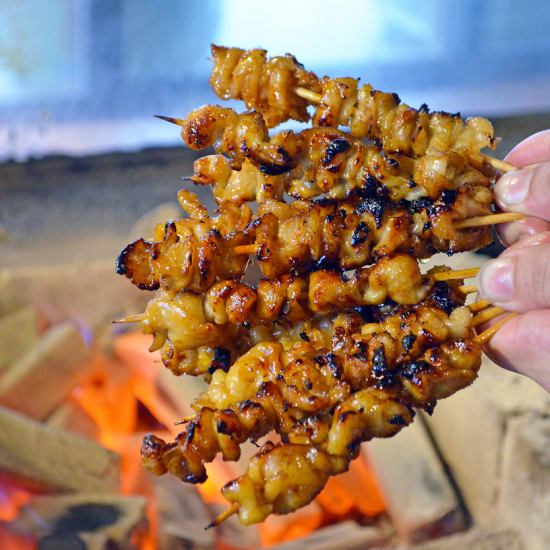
[111,396]
[121,394]
[12,499]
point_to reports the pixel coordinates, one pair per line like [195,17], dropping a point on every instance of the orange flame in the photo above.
[122,397]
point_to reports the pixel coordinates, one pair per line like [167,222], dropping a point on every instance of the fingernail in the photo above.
[496,280]
[513,187]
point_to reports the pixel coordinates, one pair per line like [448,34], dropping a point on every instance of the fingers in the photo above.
[510,233]
[523,345]
[535,148]
[513,191]
[526,190]
[519,279]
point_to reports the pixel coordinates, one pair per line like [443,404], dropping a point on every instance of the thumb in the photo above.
[526,190]
[523,345]
[519,279]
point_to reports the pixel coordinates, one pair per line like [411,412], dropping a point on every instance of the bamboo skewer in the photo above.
[486,335]
[233,509]
[173,120]
[456,274]
[310,96]
[314,97]
[185,419]
[467,289]
[478,306]
[130,319]
[501,165]
[246,249]
[487,315]
[490,219]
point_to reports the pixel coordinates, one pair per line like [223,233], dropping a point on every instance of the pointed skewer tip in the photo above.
[233,509]
[172,120]
[130,319]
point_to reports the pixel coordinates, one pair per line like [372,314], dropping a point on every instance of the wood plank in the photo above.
[88,521]
[485,538]
[62,292]
[347,535]
[478,418]
[42,379]
[54,458]
[419,497]
[71,417]
[524,500]
[182,516]
[18,332]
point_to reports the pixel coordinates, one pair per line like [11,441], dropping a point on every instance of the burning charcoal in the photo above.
[419,497]
[71,417]
[524,501]
[354,493]
[490,538]
[39,381]
[346,535]
[302,523]
[182,516]
[83,521]
[233,534]
[18,332]
[53,458]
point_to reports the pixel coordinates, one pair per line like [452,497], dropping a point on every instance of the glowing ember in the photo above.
[121,395]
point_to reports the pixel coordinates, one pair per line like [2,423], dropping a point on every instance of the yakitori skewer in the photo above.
[308,353]
[498,164]
[491,219]
[487,334]
[456,274]
[193,125]
[480,339]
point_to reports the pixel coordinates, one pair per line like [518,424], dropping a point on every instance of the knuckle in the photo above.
[533,332]
[534,276]
[540,183]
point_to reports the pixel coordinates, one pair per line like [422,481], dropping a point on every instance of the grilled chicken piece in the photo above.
[315,161]
[238,74]
[190,253]
[265,85]
[359,381]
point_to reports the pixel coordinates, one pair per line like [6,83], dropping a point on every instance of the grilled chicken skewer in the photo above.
[329,399]
[194,253]
[324,160]
[362,229]
[249,75]
[322,360]
[198,334]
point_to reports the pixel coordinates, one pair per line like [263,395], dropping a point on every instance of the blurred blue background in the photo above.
[85,76]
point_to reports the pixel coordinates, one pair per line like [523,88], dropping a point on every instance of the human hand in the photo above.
[519,279]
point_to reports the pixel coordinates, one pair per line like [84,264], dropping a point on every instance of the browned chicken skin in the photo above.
[189,253]
[194,253]
[364,385]
[315,161]
[342,338]
[265,85]
[365,111]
